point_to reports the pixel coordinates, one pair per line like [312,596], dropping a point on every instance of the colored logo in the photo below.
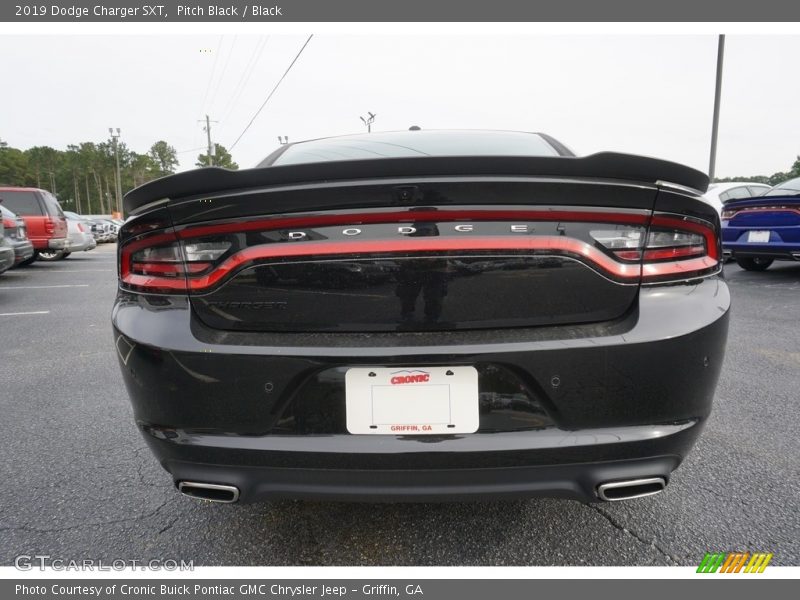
[734,562]
[411,377]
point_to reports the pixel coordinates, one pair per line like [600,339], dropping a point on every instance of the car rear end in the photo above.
[446,328]
[757,231]
[16,236]
[6,251]
[45,221]
[80,235]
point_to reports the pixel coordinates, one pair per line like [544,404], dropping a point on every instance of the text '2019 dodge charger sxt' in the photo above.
[422,315]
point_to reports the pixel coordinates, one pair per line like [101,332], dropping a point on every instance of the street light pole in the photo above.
[116,156]
[712,162]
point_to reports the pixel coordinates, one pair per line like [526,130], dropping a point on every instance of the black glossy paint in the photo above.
[604,165]
[414,294]
[581,379]
[424,192]
[215,397]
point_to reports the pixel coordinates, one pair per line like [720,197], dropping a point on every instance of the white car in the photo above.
[720,193]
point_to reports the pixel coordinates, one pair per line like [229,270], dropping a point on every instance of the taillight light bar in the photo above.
[186,259]
[729,213]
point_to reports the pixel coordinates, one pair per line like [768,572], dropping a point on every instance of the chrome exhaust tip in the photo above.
[212,492]
[631,488]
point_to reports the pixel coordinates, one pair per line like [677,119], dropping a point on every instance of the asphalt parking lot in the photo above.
[80,483]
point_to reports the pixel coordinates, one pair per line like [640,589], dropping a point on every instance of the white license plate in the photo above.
[412,401]
[758,236]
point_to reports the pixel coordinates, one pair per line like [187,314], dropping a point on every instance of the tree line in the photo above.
[84,176]
[773,179]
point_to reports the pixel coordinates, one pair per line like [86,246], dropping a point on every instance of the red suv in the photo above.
[46,224]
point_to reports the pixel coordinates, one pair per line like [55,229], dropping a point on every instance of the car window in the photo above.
[22,202]
[758,190]
[431,143]
[738,192]
[53,207]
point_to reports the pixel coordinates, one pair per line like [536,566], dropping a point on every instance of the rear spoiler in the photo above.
[604,165]
[765,201]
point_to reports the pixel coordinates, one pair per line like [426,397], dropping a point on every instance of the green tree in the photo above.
[795,172]
[44,162]
[164,157]
[221,158]
[13,167]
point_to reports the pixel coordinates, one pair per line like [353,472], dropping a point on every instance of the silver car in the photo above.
[80,238]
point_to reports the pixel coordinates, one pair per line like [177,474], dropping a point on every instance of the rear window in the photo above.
[53,207]
[22,203]
[787,188]
[417,143]
[735,193]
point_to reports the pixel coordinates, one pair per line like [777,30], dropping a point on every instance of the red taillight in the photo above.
[168,269]
[80,228]
[729,213]
[679,248]
[150,264]
[49,225]
[675,248]
[673,253]
[9,224]
[629,246]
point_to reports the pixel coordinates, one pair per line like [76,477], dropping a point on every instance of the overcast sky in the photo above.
[649,95]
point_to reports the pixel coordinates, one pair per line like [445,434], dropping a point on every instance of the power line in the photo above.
[289,68]
[190,150]
[224,71]
[241,85]
[213,70]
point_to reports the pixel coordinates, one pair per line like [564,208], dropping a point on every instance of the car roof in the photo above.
[19,189]
[716,189]
[727,185]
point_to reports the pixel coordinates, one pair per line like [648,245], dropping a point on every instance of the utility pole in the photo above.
[119,179]
[712,162]
[368,121]
[207,129]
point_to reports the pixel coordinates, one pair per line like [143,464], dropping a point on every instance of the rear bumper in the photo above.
[622,400]
[23,250]
[577,481]
[81,243]
[6,258]
[777,251]
[783,244]
[57,243]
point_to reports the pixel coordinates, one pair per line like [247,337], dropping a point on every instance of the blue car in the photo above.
[758,231]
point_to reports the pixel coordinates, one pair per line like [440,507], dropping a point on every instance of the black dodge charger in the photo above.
[422,315]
